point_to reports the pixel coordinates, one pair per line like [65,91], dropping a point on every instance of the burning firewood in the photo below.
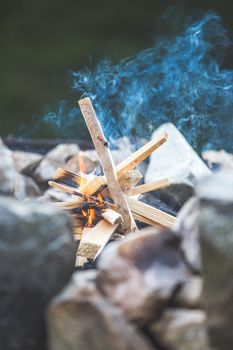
[96,218]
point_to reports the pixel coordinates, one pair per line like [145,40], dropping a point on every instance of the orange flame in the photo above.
[91,217]
[100,199]
[82,166]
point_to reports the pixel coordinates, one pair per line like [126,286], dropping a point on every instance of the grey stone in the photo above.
[7,170]
[141,273]
[25,162]
[37,258]
[57,157]
[82,162]
[216,233]
[169,199]
[187,228]
[220,159]
[175,159]
[55,195]
[80,318]
[181,329]
[25,187]
[190,293]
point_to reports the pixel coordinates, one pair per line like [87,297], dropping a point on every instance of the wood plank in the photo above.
[101,146]
[142,153]
[95,239]
[151,213]
[148,187]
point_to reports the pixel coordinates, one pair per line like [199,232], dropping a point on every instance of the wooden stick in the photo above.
[137,157]
[66,175]
[111,216]
[104,155]
[147,221]
[74,191]
[148,187]
[95,239]
[151,213]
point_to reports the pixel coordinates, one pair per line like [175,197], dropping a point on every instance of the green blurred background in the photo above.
[42,41]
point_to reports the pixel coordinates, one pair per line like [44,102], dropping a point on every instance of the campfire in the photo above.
[102,205]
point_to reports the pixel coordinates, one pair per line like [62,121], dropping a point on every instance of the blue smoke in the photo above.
[179,80]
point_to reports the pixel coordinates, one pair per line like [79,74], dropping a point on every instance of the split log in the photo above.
[137,157]
[95,239]
[67,176]
[104,154]
[151,186]
[78,203]
[111,216]
[80,261]
[151,213]
[147,221]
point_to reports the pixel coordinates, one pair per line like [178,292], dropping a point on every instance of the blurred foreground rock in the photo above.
[36,260]
[216,233]
[80,318]
[187,228]
[181,329]
[142,273]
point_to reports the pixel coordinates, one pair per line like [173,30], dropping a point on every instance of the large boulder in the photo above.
[80,318]
[215,223]
[181,329]
[36,259]
[142,273]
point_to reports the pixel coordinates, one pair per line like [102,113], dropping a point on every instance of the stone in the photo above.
[82,162]
[25,187]
[181,329]
[218,159]
[26,162]
[142,273]
[80,318]
[187,228]
[175,159]
[169,199]
[37,258]
[7,170]
[57,157]
[215,223]
[190,293]
[55,195]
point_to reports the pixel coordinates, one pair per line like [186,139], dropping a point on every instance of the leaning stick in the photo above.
[75,192]
[66,175]
[142,153]
[148,187]
[147,221]
[151,213]
[104,155]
